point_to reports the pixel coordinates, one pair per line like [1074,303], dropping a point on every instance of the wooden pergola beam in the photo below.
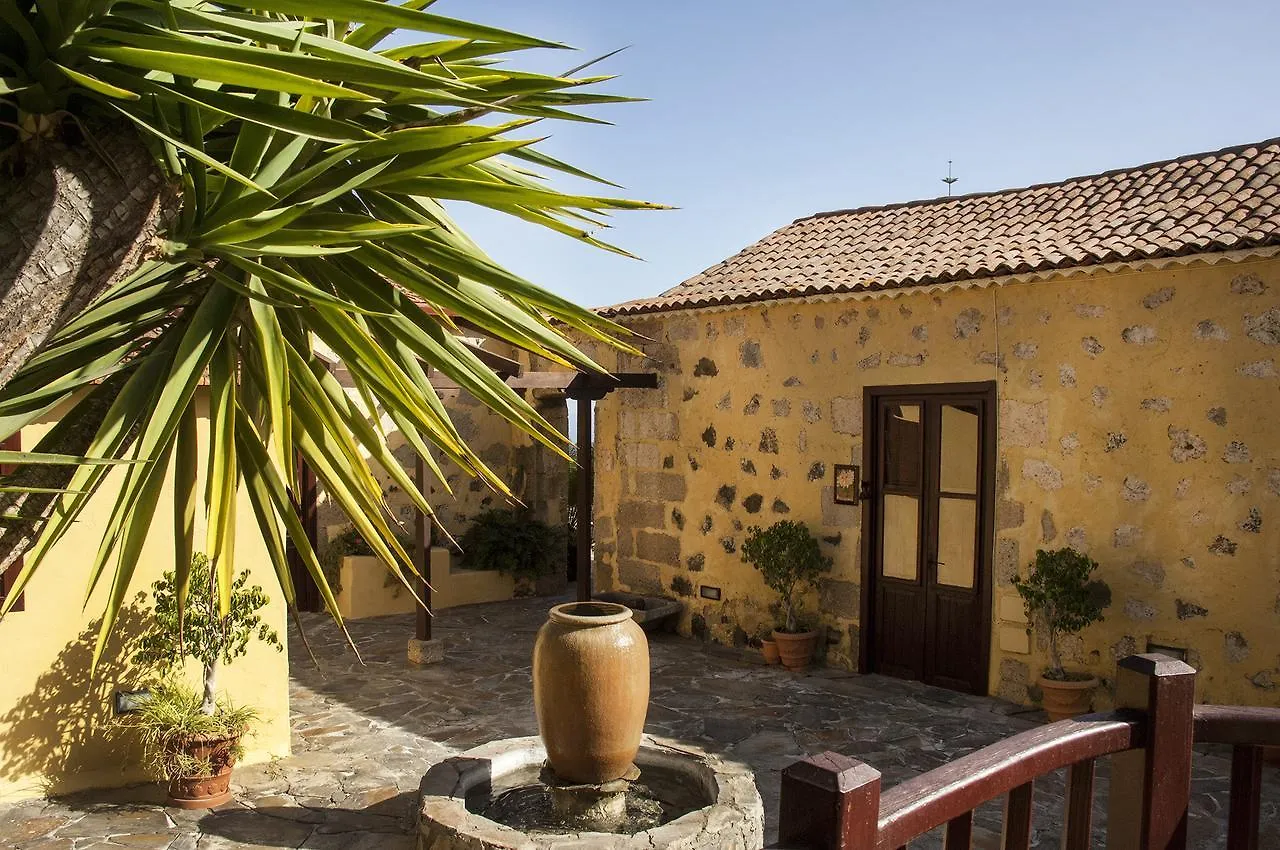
[573,384]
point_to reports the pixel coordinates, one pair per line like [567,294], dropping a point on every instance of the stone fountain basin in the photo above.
[653,613]
[731,819]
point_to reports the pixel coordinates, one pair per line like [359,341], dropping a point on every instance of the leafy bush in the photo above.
[351,543]
[172,716]
[202,632]
[789,559]
[514,542]
[1060,597]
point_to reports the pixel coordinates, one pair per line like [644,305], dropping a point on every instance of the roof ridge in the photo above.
[946,199]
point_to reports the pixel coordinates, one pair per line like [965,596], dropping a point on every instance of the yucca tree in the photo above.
[226,191]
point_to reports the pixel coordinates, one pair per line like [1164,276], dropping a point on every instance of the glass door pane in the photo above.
[959,450]
[957,536]
[903,465]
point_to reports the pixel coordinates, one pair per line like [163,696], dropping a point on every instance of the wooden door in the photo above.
[930,457]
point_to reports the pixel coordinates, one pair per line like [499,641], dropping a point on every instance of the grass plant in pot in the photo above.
[191,739]
[790,562]
[1062,599]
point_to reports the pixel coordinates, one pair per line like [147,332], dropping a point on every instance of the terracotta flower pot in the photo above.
[769,649]
[1063,700]
[796,649]
[591,690]
[205,792]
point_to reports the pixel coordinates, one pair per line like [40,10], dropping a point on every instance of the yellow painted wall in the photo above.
[1136,422]
[56,733]
[367,593]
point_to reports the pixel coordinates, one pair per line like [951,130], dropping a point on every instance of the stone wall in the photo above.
[1136,423]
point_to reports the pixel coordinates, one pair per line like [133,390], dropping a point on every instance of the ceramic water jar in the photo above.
[591,690]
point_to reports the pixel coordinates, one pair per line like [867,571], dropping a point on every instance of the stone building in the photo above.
[1090,363]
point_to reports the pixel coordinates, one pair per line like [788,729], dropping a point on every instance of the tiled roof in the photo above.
[1220,201]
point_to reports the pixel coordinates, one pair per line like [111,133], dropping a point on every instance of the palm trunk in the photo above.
[72,222]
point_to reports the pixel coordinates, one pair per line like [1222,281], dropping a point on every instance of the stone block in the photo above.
[640,577]
[846,415]
[425,651]
[840,598]
[665,486]
[1015,639]
[1012,609]
[633,514]
[1024,424]
[657,547]
[1009,514]
[835,515]
[1048,477]
[1006,560]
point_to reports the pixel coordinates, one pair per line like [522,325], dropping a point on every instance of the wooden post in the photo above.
[1246,798]
[1151,787]
[422,540]
[829,802]
[586,494]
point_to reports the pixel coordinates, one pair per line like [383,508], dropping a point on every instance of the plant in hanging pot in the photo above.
[790,562]
[1062,599]
[190,739]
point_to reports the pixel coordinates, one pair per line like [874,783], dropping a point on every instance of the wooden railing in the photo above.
[832,802]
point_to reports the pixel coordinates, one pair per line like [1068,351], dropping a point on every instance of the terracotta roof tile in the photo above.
[1193,204]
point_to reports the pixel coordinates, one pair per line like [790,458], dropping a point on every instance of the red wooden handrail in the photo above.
[832,802]
[1237,724]
[934,798]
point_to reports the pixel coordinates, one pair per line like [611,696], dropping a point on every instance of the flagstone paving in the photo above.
[363,736]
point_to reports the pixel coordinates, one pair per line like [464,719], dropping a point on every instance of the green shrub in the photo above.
[202,633]
[789,559]
[351,543]
[514,542]
[1060,597]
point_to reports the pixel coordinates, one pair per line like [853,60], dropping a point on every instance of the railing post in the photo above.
[829,802]
[1151,788]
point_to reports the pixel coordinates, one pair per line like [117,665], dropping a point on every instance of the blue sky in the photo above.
[762,112]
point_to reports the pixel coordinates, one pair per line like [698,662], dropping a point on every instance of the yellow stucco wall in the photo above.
[56,733]
[1136,422]
[367,593]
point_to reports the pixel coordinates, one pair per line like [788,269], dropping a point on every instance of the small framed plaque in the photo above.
[848,482]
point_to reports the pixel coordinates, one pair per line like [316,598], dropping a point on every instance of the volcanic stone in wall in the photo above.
[726,495]
[705,368]
[839,598]
[658,547]
[753,502]
[664,486]
[749,352]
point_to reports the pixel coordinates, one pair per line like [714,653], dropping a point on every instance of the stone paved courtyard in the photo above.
[363,736]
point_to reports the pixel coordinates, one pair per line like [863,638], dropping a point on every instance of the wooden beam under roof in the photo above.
[573,384]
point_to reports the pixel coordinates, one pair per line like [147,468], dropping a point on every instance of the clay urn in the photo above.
[591,690]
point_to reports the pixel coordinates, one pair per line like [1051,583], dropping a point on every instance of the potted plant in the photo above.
[789,559]
[1061,598]
[192,740]
[768,646]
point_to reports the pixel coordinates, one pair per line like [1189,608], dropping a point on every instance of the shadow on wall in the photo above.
[62,733]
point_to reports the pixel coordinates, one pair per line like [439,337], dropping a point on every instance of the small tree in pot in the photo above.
[1061,598]
[789,560]
[192,739]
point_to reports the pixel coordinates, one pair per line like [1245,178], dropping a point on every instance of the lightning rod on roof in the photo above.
[949,179]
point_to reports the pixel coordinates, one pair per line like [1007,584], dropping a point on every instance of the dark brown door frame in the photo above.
[870,509]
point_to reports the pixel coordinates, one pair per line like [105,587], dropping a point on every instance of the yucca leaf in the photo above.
[390,15]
